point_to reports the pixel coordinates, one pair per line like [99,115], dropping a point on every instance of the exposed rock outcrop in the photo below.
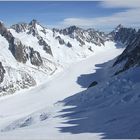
[84,35]
[20,27]
[15,45]
[94,83]
[5,33]
[19,51]
[131,55]
[21,80]
[46,47]
[61,41]
[35,57]
[2,71]
[123,35]
[69,31]
[69,45]
[31,28]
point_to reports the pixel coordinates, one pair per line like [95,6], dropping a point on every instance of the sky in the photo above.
[102,15]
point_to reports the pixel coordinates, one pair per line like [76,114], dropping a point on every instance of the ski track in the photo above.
[42,98]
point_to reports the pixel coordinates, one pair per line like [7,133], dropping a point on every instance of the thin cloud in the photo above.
[121,3]
[129,17]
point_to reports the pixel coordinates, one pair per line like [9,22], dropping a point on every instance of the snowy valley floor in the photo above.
[35,113]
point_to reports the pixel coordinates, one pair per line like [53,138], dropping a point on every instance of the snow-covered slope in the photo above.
[111,107]
[19,75]
[111,103]
[30,52]
[37,115]
[66,45]
[91,98]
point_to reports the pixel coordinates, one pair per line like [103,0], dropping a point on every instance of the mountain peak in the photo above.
[33,22]
[73,27]
[119,27]
[2,24]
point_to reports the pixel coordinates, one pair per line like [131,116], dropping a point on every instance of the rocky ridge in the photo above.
[40,51]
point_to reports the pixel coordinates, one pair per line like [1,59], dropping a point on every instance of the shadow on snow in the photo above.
[100,116]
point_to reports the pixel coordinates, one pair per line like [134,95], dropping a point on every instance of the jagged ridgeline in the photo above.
[130,57]
[31,52]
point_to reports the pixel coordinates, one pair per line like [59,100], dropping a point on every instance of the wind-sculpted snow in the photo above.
[37,109]
[111,107]
[27,121]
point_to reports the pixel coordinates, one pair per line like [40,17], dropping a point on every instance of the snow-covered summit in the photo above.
[37,49]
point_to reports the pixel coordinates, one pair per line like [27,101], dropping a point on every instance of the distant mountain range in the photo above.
[30,52]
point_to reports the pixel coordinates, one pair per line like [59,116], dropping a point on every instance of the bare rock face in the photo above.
[12,79]
[69,30]
[4,32]
[2,71]
[94,83]
[131,55]
[35,57]
[81,41]
[46,47]
[69,45]
[123,35]
[84,35]
[96,37]
[61,41]
[19,51]
[31,28]
[21,80]
[15,46]
[21,27]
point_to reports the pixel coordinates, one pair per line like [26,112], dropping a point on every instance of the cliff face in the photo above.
[131,55]
[2,71]
[22,65]
[18,50]
[32,29]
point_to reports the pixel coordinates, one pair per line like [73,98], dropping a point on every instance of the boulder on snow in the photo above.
[94,83]
[69,45]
